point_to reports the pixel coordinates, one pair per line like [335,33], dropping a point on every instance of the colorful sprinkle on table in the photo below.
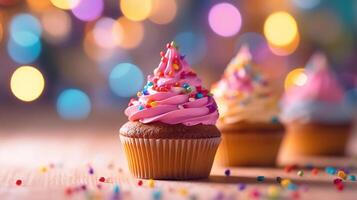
[140,182]
[227,172]
[352,177]
[102,179]
[241,186]
[18,182]
[331,170]
[273,192]
[300,173]
[151,183]
[260,178]
[342,174]
[156,195]
[315,171]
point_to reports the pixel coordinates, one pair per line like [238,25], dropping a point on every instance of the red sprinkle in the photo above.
[289,168]
[339,186]
[140,183]
[18,182]
[315,171]
[101,179]
[337,181]
[68,191]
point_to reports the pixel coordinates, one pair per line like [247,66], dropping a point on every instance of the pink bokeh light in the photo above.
[225,19]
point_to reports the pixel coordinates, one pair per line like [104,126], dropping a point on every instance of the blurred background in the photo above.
[82,60]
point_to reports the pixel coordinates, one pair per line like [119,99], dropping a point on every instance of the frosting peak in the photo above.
[321,99]
[173,94]
[243,92]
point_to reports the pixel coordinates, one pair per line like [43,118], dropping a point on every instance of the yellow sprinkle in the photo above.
[138,94]
[183,192]
[285,182]
[342,174]
[273,192]
[151,183]
[43,169]
[175,66]
[153,104]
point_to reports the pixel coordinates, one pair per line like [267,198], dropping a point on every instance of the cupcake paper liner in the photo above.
[170,158]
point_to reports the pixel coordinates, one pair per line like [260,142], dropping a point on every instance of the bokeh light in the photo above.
[25,29]
[107,32]
[132,33]
[27,83]
[296,77]
[225,19]
[126,79]
[286,49]
[306,4]
[24,54]
[280,29]
[163,11]
[1,31]
[136,10]
[38,5]
[88,10]
[73,104]
[66,4]
[56,25]
[193,45]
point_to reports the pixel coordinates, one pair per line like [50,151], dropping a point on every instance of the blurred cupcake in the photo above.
[171,133]
[317,115]
[251,132]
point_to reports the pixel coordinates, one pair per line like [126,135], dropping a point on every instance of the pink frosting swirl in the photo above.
[173,95]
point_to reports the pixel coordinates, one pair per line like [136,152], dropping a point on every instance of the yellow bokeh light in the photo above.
[65,4]
[27,83]
[132,33]
[163,11]
[296,77]
[287,49]
[136,10]
[38,5]
[280,29]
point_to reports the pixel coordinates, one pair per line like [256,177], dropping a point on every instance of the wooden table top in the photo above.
[52,162]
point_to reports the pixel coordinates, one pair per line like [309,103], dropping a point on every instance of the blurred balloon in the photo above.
[133,33]
[193,45]
[136,10]
[225,19]
[163,11]
[56,25]
[66,4]
[73,104]
[107,32]
[24,54]
[126,79]
[296,77]
[27,83]
[88,10]
[25,29]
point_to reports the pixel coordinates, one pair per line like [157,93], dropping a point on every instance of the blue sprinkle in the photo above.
[275,120]
[182,57]
[292,186]
[352,177]
[141,107]
[116,189]
[241,186]
[260,178]
[331,170]
[199,95]
[185,85]
[150,83]
[145,92]
[156,195]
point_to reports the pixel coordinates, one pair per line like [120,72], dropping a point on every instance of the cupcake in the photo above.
[251,131]
[171,132]
[317,115]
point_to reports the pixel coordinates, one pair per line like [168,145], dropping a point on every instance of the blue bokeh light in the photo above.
[24,54]
[25,29]
[126,80]
[304,4]
[193,45]
[73,104]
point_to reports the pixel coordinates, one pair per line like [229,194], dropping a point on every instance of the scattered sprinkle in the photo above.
[352,177]
[285,182]
[18,182]
[337,181]
[102,179]
[255,193]
[68,191]
[186,85]
[315,171]
[151,183]
[43,169]
[295,195]
[227,172]
[83,187]
[260,178]
[340,186]
[278,179]
[140,182]
[330,170]
[141,107]
[156,195]
[199,95]
[292,186]
[116,189]
[275,120]
[289,168]
[300,173]
[91,171]
[242,186]
[342,174]
[183,192]
[273,192]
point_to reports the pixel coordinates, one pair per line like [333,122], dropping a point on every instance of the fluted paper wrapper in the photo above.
[170,158]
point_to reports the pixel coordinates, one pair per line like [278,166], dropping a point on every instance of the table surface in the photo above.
[53,160]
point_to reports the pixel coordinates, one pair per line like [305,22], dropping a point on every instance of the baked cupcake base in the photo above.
[315,139]
[156,151]
[250,145]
